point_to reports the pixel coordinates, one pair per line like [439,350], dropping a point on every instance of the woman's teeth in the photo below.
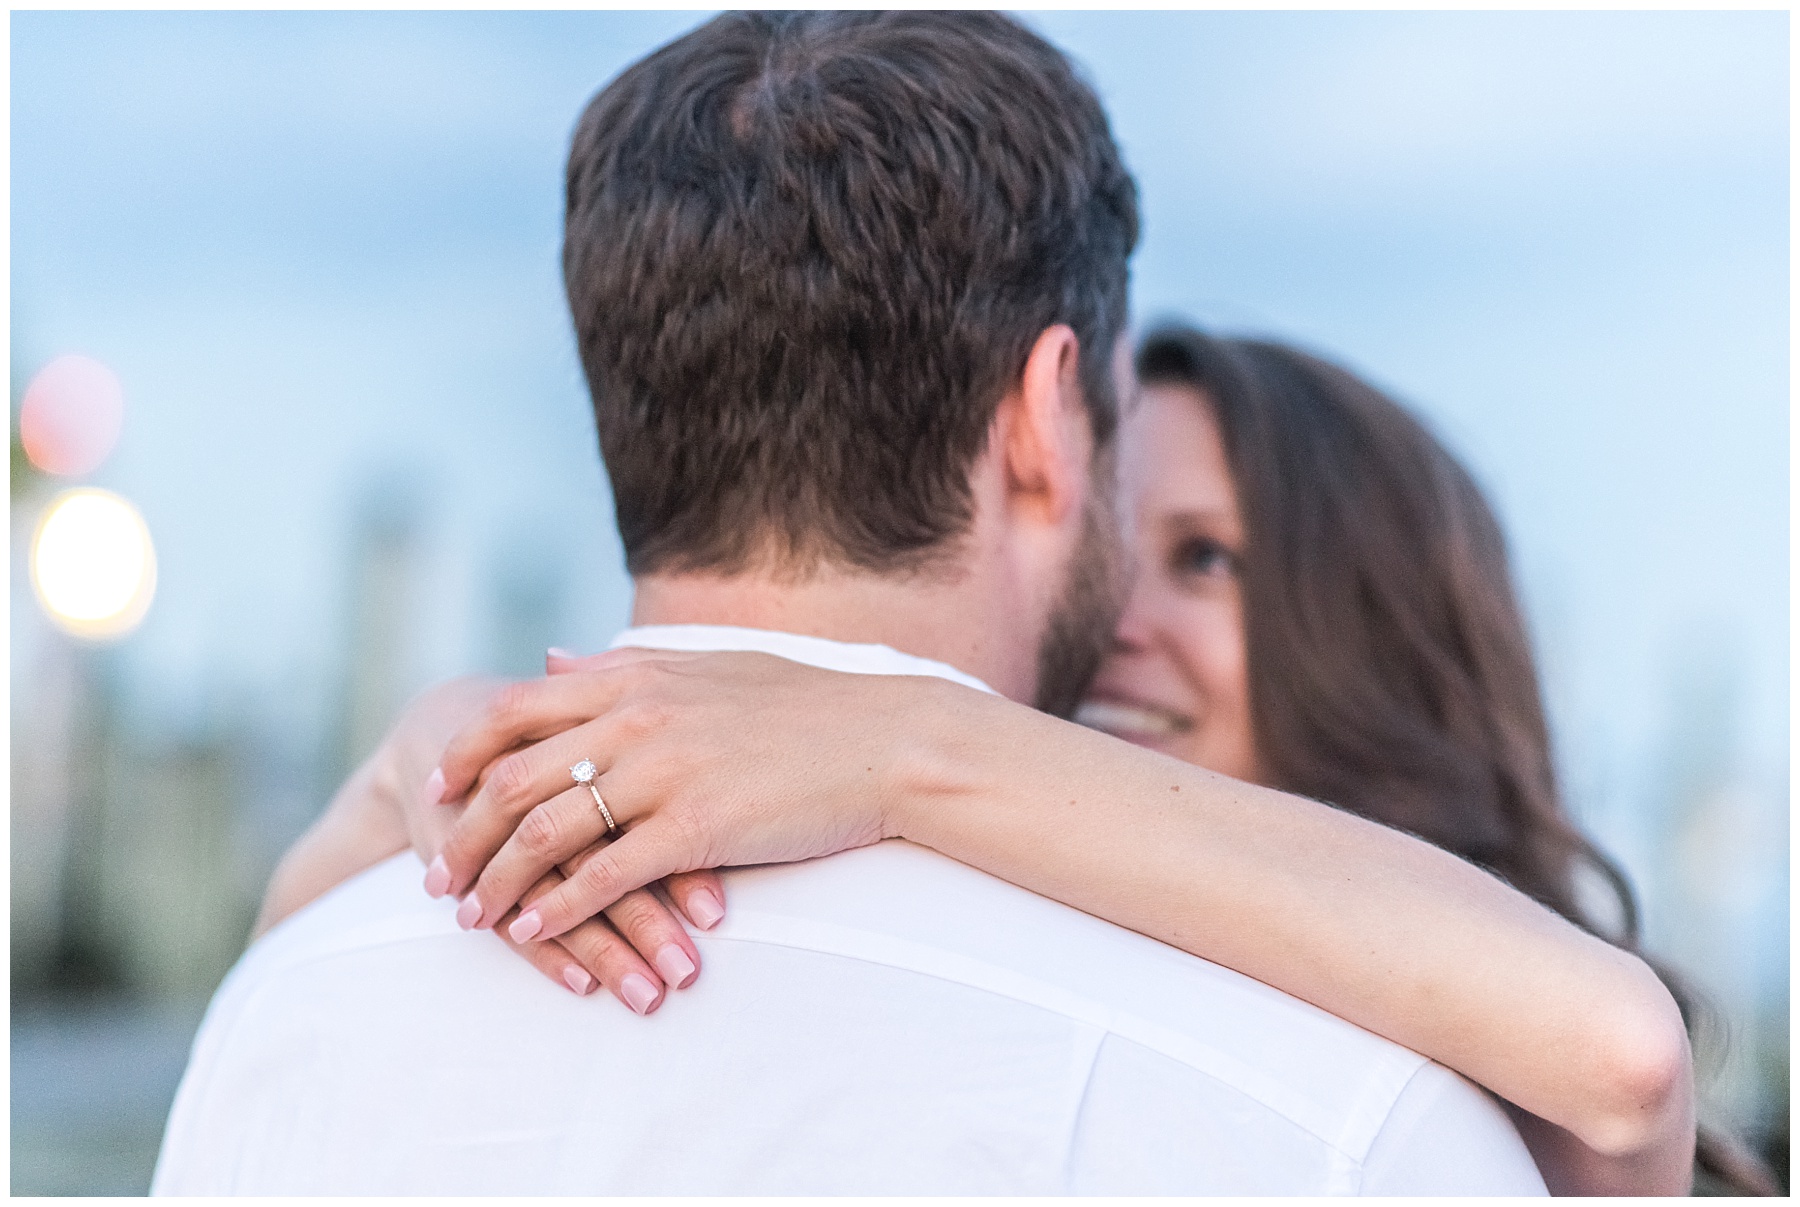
[1127,720]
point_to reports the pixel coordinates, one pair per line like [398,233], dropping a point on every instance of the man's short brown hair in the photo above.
[808,253]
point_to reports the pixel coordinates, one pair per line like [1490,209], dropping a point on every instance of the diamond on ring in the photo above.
[584,771]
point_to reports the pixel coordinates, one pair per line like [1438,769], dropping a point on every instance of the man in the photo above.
[845,286]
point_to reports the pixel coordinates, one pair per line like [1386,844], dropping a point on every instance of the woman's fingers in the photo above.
[562,662]
[509,800]
[700,895]
[649,852]
[657,935]
[578,689]
[556,962]
[644,919]
[598,952]
[528,711]
[553,832]
[619,968]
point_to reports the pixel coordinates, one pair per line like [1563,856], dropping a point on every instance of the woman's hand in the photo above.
[391,802]
[635,950]
[685,779]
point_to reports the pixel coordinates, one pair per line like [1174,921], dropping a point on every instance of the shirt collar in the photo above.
[812,651]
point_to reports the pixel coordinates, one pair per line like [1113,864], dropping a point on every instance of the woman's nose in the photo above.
[1136,622]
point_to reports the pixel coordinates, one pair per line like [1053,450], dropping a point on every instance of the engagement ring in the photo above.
[584,773]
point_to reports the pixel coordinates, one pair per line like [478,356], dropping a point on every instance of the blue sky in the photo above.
[320,249]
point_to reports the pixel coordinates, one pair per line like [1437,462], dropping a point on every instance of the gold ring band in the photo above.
[612,827]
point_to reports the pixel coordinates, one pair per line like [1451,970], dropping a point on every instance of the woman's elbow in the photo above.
[1647,1071]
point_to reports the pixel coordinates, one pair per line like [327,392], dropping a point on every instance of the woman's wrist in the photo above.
[941,765]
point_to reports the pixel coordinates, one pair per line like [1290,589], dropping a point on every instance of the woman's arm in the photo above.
[1380,928]
[711,760]
[367,820]
[353,834]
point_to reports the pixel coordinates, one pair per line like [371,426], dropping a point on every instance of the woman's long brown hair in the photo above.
[1390,669]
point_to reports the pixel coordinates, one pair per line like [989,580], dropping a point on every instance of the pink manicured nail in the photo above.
[576,978]
[469,912]
[558,652]
[437,877]
[525,926]
[705,909]
[638,993]
[434,787]
[674,965]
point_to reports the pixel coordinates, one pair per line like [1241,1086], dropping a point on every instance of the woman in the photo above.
[1322,607]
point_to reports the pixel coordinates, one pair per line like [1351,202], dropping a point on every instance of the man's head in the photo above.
[808,256]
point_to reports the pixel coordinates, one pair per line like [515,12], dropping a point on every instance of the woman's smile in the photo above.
[1135,721]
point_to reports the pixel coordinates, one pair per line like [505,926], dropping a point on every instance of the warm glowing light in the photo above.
[93,565]
[70,417]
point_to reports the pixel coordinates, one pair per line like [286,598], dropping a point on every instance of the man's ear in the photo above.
[1047,438]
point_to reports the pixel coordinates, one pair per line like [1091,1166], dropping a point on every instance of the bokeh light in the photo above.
[93,565]
[71,415]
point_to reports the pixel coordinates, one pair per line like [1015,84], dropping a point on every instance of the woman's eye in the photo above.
[1200,558]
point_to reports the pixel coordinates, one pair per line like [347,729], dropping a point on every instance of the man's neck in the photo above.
[952,620]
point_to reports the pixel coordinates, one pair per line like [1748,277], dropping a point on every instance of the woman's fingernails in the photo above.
[674,965]
[577,978]
[469,912]
[437,877]
[704,908]
[434,787]
[638,992]
[525,926]
[559,652]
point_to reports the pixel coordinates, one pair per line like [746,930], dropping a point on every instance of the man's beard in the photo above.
[1082,623]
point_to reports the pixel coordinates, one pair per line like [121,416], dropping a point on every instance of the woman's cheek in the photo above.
[1222,731]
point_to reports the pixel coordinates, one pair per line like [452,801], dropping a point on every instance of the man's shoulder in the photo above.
[383,904]
[882,976]
[380,909]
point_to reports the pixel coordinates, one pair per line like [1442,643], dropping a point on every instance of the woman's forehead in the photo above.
[1173,451]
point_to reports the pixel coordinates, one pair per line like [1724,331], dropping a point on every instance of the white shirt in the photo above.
[882,1021]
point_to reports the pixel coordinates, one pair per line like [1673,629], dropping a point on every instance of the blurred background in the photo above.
[286,310]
